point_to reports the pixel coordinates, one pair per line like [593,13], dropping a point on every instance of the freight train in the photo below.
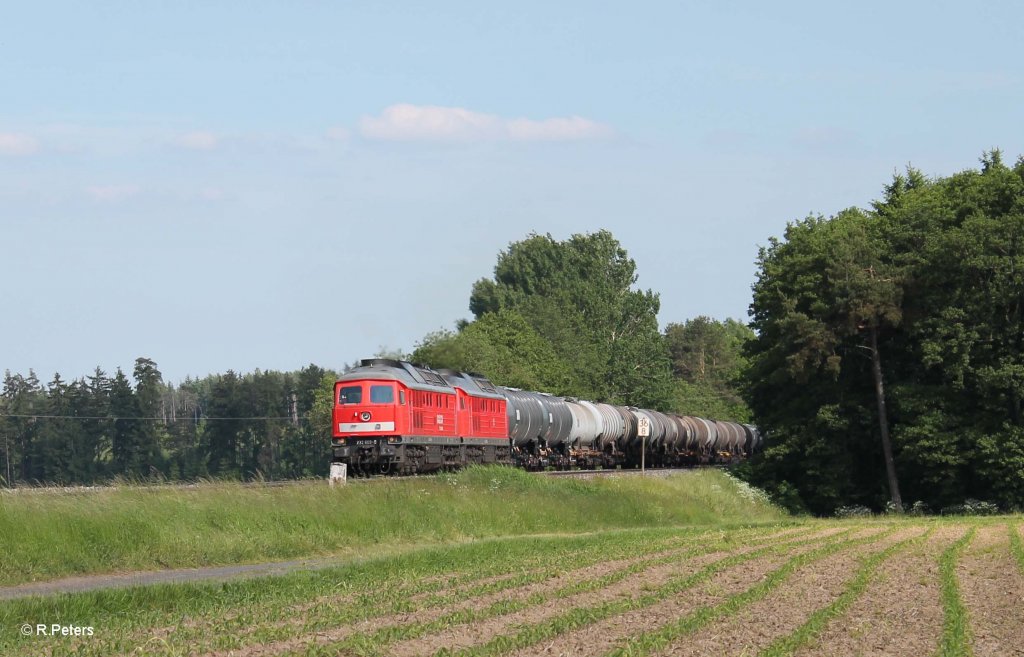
[394,417]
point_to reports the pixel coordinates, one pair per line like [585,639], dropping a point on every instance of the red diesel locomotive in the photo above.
[392,416]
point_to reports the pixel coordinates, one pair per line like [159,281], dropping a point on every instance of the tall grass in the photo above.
[45,534]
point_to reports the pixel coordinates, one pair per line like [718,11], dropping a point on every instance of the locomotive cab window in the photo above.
[350,395]
[382,395]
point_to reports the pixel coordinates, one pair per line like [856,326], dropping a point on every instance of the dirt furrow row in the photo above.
[993,591]
[673,547]
[814,585]
[471,635]
[296,615]
[435,590]
[899,613]
[476,604]
[599,638]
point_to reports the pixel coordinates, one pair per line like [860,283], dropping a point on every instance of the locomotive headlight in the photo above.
[365,416]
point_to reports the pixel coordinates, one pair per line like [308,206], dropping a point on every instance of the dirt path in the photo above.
[899,614]
[145,578]
[84,583]
[993,591]
[814,585]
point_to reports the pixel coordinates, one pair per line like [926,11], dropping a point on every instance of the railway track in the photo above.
[588,474]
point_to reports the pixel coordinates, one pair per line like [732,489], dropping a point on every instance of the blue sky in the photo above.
[222,185]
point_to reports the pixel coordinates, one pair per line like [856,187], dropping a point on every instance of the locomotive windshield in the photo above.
[382,395]
[350,395]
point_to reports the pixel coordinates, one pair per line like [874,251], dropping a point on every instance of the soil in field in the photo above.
[428,612]
[601,637]
[900,612]
[993,591]
[465,634]
[812,586]
[634,586]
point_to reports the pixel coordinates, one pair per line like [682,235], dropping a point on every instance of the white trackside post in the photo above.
[643,430]
[339,473]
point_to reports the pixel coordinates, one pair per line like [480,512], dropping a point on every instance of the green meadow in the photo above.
[48,533]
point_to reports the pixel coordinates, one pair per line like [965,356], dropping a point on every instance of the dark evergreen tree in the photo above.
[124,413]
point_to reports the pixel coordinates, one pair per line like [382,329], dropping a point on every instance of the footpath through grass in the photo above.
[46,534]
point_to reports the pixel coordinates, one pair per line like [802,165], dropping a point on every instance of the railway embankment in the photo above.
[46,536]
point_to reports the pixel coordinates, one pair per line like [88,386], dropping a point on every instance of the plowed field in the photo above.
[899,587]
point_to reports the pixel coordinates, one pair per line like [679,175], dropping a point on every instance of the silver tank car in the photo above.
[683,434]
[527,417]
[731,437]
[559,420]
[628,437]
[692,431]
[671,434]
[612,428]
[585,423]
[657,427]
[707,435]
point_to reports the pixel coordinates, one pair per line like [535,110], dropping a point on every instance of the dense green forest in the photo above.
[902,323]
[563,317]
[265,424]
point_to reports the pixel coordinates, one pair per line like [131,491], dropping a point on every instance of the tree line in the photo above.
[884,360]
[564,317]
[888,366]
[558,316]
[272,425]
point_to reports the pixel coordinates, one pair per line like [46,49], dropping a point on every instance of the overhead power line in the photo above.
[118,417]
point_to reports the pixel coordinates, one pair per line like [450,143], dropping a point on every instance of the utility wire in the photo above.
[118,417]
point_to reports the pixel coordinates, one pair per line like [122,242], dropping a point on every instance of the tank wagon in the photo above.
[391,416]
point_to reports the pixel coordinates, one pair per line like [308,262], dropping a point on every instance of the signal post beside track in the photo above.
[643,429]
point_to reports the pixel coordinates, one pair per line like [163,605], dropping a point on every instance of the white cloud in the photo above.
[13,143]
[404,122]
[198,141]
[111,193]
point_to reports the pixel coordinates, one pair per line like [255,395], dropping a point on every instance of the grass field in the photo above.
[46,533]
[663,587]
